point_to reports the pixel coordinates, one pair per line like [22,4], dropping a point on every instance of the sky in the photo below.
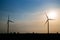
[28,15]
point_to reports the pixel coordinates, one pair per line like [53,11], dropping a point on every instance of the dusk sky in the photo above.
[29,15]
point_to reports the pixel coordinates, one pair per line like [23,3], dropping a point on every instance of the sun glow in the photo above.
[52,14]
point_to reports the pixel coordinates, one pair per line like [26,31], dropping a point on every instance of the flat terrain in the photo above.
[27,36]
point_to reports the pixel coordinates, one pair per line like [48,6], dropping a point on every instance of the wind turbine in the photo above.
[8,24]
[47,21]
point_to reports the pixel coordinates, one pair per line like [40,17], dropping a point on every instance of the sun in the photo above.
[52,14]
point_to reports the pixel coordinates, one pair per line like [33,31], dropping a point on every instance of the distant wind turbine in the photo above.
[8,24]
[47,21]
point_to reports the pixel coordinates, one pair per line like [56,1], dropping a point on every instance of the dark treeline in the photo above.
[29,33]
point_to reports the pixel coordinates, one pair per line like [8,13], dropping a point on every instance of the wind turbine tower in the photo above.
[47,21]
[8,24]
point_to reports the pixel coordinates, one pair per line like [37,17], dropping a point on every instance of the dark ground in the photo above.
[29,36]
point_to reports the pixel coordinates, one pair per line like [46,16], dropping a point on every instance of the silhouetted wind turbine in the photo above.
[47,21]
[8,24]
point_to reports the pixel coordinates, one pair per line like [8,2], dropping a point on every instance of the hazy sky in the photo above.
[28,15]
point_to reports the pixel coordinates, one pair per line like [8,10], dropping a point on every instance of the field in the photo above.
[29,36]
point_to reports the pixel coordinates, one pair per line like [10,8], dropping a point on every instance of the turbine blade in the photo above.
[51,19]
[46,21]
[11,21]
[7,22]
[46,16]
